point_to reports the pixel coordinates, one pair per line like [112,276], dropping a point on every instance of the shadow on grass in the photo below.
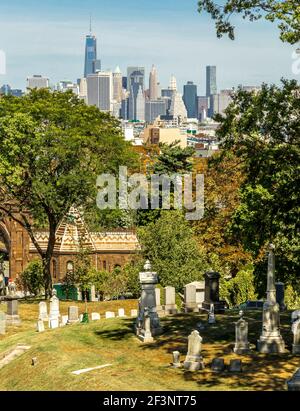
[117,333]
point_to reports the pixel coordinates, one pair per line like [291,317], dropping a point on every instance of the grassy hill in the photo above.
[136,366]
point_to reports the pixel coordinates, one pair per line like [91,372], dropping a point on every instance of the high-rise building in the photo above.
[100,90]
[91,63]
[190,99]
[136,89]
[203,105]
[211,80]
[68,85]
[140,105]
[219,102]
[5,90]
[153,84]
[154,109]
[37,81]
[131,70]
[173,83]
[83,89]
[117,85]
[177,106]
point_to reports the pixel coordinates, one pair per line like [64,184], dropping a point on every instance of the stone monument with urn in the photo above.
[147,303]
[271,340]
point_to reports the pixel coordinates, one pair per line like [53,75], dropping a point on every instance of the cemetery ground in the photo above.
[137,366]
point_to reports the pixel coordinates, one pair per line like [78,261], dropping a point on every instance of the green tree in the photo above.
[52,147]
[285,12]
[262,129]
[170,245]
[31,279]
[168,160]
[84,274]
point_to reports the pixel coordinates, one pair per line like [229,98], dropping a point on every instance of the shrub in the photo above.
[31,279]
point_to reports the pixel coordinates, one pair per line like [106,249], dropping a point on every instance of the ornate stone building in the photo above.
[107,249]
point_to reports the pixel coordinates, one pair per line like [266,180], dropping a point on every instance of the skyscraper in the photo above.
[190,99]
[154,109]
[177,106]
[211,80]
[100,90]
[153,84]
[135,82]
[91,64]
[173,83]
[37,81]
[117,85]
[132,69]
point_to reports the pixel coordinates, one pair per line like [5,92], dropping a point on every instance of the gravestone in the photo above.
[211,315]
[212,293]
[109,314]
[242,345]
[40,327]
[170,306]
[64,320]
[271,340]
[121,312]
[145,334]
[294,383]
[280,296]
[295,315]
[12,316]
[133,313]
[190,303]
[176,359]
[43,312]
[2,323]
[235,366]
[54,307]
[95,316]
[218,365]
[73,314]
[80,317]
[148,279]
[53,323]
[296,339]
[193,360]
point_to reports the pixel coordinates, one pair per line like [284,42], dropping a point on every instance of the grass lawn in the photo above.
[136,366]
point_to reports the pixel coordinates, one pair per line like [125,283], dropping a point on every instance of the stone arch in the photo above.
[5,237]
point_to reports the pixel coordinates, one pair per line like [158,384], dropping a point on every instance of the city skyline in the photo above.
[130,37]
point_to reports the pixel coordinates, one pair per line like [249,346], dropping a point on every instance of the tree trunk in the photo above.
[47,260]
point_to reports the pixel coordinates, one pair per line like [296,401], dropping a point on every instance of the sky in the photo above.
[47,37]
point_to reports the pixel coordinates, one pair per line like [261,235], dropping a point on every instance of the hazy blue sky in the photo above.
[47,37]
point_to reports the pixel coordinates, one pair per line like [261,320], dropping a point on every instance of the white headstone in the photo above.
[43,312]
[95,316]
[40,326]
[54,306]
[53,323]
[2,323]
[64,320]
[121,312]
[109,314]
[193,360]
[133,313]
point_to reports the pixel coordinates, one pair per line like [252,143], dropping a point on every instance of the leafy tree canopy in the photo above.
[52,147]
[285,12]
[262,130]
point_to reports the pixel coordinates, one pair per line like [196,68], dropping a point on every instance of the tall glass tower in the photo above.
[91,64]
[190,99]
[211,80]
